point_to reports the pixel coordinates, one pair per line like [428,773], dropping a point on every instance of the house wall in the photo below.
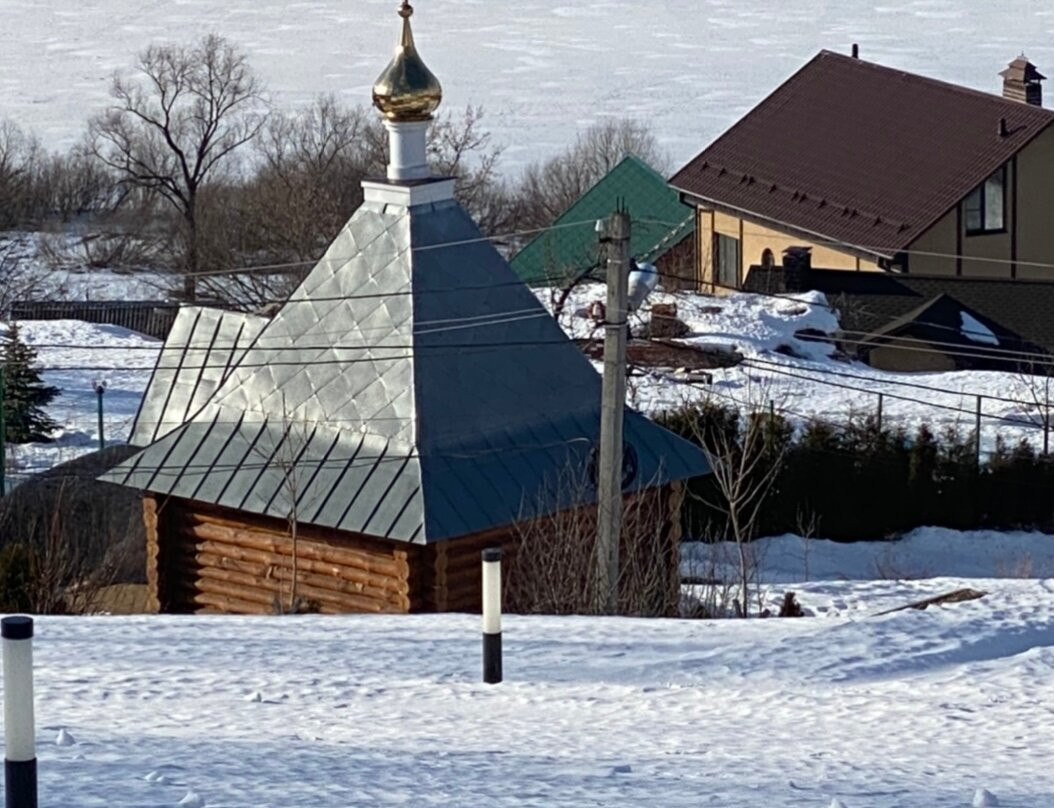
[677,267]
[754,239]
[946,249]
[904,357]
[1035,208]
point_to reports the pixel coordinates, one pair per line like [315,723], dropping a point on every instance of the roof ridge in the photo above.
[949,85]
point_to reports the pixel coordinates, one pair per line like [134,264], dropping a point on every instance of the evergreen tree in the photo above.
[24,395]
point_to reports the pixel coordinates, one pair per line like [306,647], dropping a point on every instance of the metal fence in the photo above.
[150,317]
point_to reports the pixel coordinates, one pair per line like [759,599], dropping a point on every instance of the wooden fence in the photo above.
[150,317]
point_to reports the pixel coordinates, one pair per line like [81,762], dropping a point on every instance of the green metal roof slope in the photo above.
[660,221]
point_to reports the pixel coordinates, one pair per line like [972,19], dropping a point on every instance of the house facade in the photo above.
[875,169]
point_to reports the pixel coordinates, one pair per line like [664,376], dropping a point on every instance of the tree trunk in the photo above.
[190,276]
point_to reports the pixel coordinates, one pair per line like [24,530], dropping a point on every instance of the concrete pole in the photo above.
[3,438]
[492,668]
[20,757]
[100,389]
[613,404]
[977,430]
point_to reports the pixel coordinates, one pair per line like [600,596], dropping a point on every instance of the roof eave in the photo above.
[697,200]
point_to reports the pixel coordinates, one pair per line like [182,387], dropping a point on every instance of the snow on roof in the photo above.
[974,329]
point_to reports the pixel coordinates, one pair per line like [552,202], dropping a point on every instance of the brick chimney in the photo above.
[1022,82]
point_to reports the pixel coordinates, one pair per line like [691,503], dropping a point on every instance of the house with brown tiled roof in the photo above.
[876,169]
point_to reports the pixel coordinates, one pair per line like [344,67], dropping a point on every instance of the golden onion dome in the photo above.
[407,90]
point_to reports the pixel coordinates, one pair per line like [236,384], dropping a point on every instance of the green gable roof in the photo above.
[660,222]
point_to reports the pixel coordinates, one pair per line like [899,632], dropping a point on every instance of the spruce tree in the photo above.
[25,395]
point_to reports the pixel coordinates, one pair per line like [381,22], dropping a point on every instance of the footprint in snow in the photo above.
[192,800]
[64,738]
[156,777]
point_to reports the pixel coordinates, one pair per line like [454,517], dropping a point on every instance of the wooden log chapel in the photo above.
[410,404]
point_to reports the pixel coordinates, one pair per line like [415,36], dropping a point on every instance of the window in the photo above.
[984,207]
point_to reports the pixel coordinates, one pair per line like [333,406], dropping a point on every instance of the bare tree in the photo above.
[551,187]
[1036,378]
[20,161]
[282,452]
[20,280]
[303,193]
[308,183]
[76,184]
[459,147]
[746,453]
[553,571]
[176,124]
[47,565]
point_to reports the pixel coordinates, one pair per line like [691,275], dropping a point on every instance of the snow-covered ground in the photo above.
[72,356]
[56,267]
[911,709]
[542,69]
[805,380]
[922,553]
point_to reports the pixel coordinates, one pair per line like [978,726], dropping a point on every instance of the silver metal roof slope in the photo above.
[200,351]
[412,388]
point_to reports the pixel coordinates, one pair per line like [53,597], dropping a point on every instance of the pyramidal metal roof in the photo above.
[660,222]
[411,388]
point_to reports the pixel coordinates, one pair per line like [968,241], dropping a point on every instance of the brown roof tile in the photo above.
[860,154]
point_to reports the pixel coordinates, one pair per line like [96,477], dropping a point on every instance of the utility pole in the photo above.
[609,482]
[3,438]
[100,389]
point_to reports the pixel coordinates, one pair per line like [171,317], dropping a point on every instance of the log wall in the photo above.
[203,559]
[208,559]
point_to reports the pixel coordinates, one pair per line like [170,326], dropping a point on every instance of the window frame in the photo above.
[982,193]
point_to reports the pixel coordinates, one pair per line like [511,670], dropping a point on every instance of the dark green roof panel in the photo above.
[660,222]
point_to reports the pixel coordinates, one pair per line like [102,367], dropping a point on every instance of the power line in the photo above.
[340,259]
[896,397]
[899,383]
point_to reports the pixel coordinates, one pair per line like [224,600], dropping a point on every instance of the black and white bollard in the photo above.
[492,615]
[20,761]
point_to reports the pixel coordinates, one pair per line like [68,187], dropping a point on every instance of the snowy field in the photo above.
[72,356]
[916,709]
[542,69]
[925,552]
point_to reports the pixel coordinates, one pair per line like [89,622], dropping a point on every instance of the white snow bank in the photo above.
[926,552]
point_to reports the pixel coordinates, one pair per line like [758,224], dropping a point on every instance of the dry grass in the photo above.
[124,599]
